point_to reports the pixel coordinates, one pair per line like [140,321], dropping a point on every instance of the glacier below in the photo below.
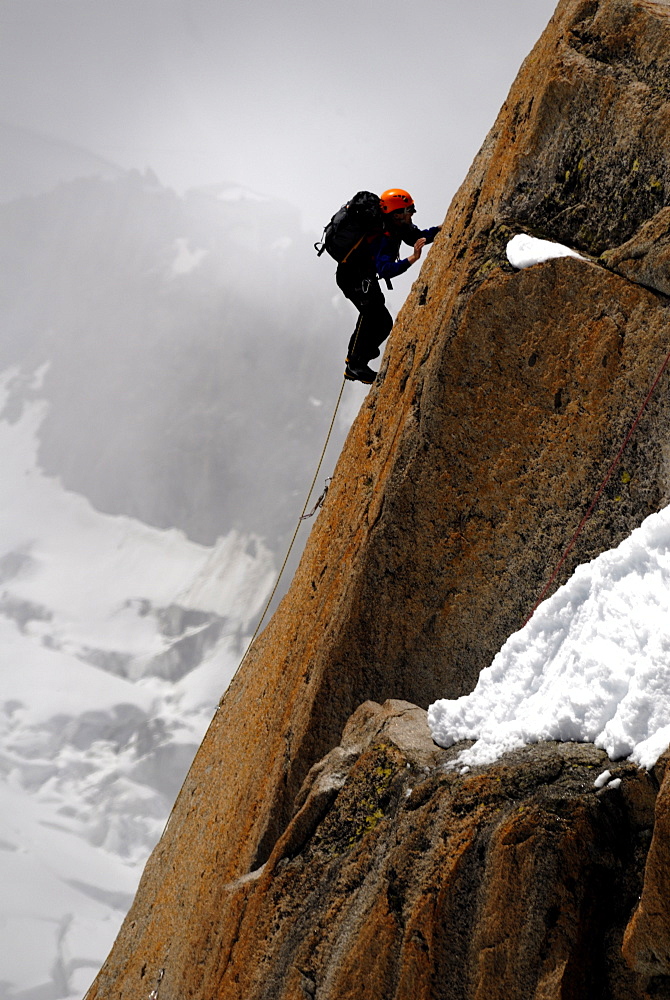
[116,642]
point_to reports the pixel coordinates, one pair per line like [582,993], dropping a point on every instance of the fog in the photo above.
[303,100]
[189,371]
[171,350]
[300,103]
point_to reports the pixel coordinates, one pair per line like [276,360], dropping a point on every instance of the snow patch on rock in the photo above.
[526,251]
[591,665]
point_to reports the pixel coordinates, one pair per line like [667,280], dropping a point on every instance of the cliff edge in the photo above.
[502,399]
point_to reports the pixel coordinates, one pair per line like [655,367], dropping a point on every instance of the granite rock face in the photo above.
[647,940]
[502,400]
[398,876]
[645,257]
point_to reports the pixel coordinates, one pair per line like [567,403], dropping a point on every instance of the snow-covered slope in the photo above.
[116,641]
[173,360]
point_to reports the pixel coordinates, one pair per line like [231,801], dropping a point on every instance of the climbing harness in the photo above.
[599,492]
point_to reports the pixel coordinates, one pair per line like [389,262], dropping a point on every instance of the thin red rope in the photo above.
[602,486]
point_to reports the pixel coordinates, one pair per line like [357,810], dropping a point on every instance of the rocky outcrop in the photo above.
[401,877]
[502,401]
[647,940]
[645,258]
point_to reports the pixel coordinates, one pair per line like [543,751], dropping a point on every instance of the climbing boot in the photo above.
[359,371]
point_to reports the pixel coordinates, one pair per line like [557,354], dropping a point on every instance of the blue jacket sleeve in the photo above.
[412,233]
[387,247]
[387,264]
[428,234]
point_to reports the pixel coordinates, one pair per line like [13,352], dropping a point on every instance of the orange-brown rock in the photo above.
[645,258]
[502,400]
[647,939]
[399,878]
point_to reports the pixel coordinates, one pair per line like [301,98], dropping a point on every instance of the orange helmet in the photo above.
[394,199]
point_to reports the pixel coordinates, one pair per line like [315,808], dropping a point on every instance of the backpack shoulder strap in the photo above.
[354,247]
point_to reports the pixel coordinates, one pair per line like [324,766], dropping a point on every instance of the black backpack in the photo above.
[347,229]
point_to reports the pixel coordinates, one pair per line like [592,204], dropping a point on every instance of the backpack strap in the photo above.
[354,247]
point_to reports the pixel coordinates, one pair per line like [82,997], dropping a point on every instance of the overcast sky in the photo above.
[308,100]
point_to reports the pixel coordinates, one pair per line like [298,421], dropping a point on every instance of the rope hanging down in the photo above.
[304,514]
[302,517]
[608,476]
[274,589]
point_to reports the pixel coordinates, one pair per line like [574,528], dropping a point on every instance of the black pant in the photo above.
[374,321]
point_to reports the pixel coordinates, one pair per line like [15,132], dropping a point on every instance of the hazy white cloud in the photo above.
[302,99]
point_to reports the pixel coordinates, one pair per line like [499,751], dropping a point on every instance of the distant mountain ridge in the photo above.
[191,351]
[33,163]
[171,362]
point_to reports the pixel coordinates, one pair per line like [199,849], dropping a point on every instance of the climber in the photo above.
[377,257]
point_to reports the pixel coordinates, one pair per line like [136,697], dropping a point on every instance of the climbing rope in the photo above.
[599,492]
[303,516]
[319,502]
[274,589]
